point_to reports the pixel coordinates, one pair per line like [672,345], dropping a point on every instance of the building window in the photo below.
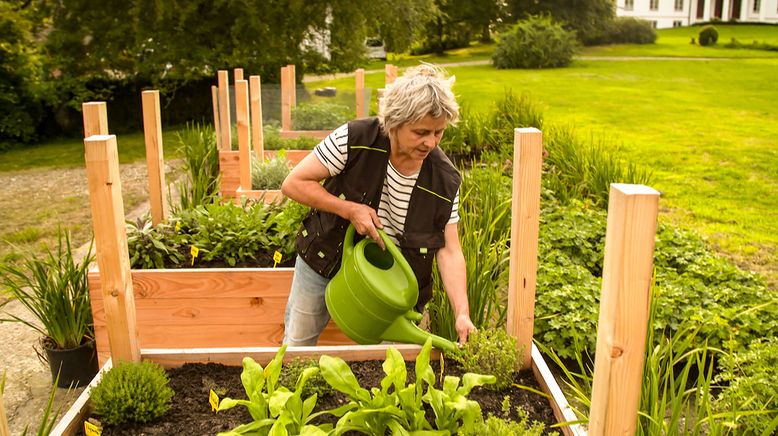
[678,5]
[756,6]
[677,23]
[629,5]
[653,24]
[654,5]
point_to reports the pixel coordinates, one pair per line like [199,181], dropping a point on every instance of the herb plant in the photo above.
[132,392]
[490,351]
[270,173]
[316,384]
[152,247]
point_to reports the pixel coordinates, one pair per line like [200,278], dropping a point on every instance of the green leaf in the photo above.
[338,374]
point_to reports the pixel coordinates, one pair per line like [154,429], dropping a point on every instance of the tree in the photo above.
[589,18]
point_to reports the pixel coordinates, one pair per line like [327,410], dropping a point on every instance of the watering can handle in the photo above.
[348,248]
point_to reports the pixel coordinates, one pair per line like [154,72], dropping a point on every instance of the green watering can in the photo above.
[371,298]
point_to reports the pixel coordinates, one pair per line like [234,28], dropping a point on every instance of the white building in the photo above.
[675,13]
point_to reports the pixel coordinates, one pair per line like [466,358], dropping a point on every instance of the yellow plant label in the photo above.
[194,251]
[214,400]
[91,429]
[276,258]
[178,226]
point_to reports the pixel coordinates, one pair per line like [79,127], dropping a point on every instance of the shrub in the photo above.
[751,377]
[535,43]
[627,30]
[270,173]
[132,392]
[319,116]
[708,35]
[490,351]
[316,384]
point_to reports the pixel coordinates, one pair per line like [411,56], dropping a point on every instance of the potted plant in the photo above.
[54,288]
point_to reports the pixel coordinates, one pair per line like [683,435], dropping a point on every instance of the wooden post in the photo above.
[258,137]
[4,431]
[286,109]
[390,74]
[216,129]
[238,73]
[155,160]
[224,111]
[105,193]
[244,136]
[525,216]
[360,92]
[292,83]
[95,118]
[624,309]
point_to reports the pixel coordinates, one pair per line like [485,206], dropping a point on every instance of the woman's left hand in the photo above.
[464,326]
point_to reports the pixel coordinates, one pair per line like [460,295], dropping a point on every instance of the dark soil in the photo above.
[191,412]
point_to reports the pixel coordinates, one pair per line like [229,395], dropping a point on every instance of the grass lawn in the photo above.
[706,128]
[677,43]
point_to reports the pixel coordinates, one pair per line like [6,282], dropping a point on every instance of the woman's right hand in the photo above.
[365,221]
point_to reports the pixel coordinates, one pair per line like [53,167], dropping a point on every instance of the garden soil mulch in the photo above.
[191,413]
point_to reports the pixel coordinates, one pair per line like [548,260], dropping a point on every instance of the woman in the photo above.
[381,173]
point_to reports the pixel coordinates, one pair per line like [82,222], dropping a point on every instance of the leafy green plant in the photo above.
[275,409]
[272,140]
[316,384]
[749,398]
[496,426]
[400,409]
[201,163]
[55,290]
[151,247]
[536,42]
[485,230]
[132,392]
[270,173]
[708,35]
[319,116]
[490,351]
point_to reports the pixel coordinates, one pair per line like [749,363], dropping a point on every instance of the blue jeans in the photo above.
[306,311]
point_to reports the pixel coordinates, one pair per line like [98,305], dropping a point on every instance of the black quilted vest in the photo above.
[320,239]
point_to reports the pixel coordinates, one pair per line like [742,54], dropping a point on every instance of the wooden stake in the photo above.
[292,83]
[286,109]
[225,125]
[360,92]
[624,309]
[217,131]
[258,138]
[105,193]
[155,160]
[390,74]
[525,216]
[244,135]
[95,118]
[238,73]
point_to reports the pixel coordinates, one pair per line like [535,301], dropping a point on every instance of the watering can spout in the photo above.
[404,330]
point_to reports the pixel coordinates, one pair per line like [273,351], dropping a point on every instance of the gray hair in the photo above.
[422,91]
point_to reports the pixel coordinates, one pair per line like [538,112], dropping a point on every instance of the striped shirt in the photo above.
[332,152]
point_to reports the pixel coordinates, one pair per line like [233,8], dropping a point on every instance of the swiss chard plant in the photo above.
[276,410]
[398,406]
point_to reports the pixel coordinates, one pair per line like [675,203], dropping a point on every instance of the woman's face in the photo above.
[415,141]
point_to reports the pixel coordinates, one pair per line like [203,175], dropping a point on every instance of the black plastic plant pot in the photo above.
[76,366]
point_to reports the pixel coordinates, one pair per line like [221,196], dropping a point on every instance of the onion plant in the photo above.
[201,162]
[54,289]
[485,209]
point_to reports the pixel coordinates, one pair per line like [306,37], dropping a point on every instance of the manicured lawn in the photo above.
[677,43]
[69,153]
[706,128]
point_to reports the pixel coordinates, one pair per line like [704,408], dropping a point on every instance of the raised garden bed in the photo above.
[192,382]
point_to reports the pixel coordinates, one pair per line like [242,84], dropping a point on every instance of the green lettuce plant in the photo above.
[275,409]
[396,406]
